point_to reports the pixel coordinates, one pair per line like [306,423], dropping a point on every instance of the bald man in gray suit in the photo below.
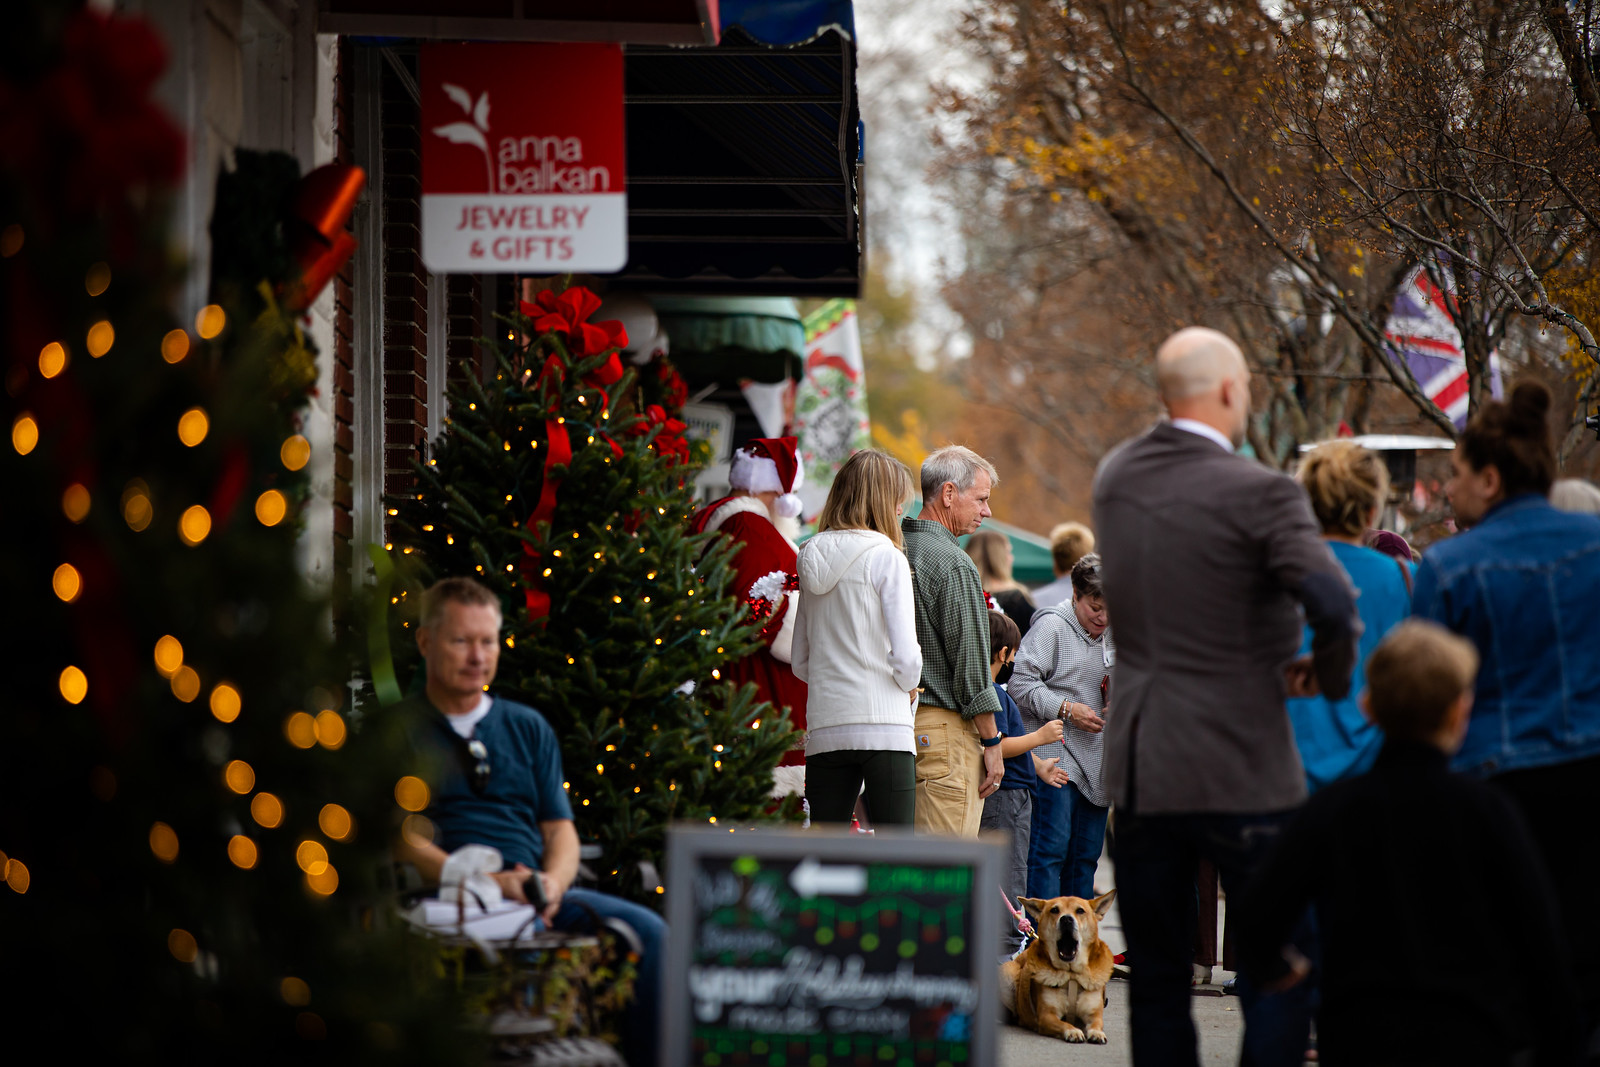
[1209,559]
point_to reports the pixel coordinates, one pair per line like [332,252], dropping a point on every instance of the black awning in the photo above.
[743,168]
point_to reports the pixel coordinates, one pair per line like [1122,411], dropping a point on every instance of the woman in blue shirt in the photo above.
[1347,485]
[1522,583]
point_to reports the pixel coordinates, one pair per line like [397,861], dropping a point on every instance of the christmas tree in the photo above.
[565,485]
[194,830]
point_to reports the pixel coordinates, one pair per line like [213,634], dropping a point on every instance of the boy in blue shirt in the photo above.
[1010,807]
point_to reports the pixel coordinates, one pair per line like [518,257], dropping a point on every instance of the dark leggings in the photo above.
[833,781]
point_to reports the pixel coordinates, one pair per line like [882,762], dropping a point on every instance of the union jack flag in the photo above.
[1421,329]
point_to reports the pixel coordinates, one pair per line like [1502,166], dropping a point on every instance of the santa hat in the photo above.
[770,465]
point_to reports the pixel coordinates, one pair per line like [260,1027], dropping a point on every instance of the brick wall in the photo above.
[405,288]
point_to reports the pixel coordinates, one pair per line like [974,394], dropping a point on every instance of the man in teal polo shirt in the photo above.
[958,743]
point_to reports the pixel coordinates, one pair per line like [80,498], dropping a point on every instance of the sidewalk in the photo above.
[1217,1018]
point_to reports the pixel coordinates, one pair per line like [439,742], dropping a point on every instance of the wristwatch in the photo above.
[990,742]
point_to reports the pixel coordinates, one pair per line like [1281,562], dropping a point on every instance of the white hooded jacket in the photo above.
[855,641]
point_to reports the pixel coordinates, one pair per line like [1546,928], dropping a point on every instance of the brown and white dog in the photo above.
[1057,986]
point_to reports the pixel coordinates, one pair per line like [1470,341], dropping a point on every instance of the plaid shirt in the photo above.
[952,621]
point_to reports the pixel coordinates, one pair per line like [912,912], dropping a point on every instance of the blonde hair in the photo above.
[1345,483]
[987,548]
[1070,542]
[1415,674]
[867,494]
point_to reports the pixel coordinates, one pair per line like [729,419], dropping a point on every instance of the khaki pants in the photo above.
[949,773]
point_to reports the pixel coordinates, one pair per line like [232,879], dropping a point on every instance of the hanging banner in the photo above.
[830,407]
[523,167]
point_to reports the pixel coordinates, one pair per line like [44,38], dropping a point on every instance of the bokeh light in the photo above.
[267,810]
[324,881]
[301,730]
[311,856]
[136,509]
[295,453]
[182,946]
[240,776]
[329,729]
[17,875]
[308,1024]
[101,337]
[417,830]
[67,582]
[168,655]
[210,321]
[174,346]
[75,502]
[97,279]
[164,842]
[271,507]
[242,851]
[335,821]
[186,684]
[52,359]
[225,702]
[411,793]
[74,685]
[295,992]
[11,239]
[192,426]
[24,434]
[194,525]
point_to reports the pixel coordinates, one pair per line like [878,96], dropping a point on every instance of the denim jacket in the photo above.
[1524,587]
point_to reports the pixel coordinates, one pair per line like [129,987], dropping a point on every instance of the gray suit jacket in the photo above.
[1208,560]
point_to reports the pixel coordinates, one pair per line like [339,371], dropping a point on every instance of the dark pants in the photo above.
[834,779]
[1558,803]
[640,1039]
[1157,857]
[1010,811]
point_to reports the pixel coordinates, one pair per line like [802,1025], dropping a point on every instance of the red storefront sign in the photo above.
[523,165]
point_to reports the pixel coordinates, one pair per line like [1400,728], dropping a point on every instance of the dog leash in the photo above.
[1023,924]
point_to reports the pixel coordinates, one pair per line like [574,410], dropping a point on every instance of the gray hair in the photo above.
[954,463]
[455,591]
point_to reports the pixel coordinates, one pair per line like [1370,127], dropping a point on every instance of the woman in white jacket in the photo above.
[855,646]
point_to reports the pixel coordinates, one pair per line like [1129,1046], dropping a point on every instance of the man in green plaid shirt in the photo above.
[957,741]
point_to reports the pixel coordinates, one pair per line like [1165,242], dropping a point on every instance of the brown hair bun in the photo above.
[1514,437]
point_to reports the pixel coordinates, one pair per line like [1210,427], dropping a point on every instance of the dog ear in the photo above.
[1033,906]
[1102,903]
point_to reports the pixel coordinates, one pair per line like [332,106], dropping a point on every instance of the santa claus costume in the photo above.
[765,578]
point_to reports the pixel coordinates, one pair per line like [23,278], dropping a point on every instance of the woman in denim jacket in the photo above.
[1523,583]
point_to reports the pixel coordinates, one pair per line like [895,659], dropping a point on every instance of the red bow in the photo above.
[669,442]
[558,452]
[569,314]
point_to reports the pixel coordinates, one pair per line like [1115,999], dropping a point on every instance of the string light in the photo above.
[164,842]
[301,730]
[174,346]
[239,776]
[225,703]
[194,525]
[182,946]
[335,821]
[11,239]
[294,992]
[295,452]
[329,729]
[97,279]
[136,509]
[242,851]
[66,582]
[193,426]
[323,883]
[186,684]
[24,434]
[52,359]
[411,793]
[75,503]
[74,685]
[15,874]
[311,856]
[210,321]
[417,830]
[267,810]
[100,339]
[168,655]
[271,507]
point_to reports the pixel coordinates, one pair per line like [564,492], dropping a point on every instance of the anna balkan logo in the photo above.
[530,164]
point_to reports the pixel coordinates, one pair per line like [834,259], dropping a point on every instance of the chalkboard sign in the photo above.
[815,948]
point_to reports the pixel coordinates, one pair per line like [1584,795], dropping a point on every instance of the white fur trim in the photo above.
[788,506]
[737,506]
[758,474]
[769,587]
[786,780]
